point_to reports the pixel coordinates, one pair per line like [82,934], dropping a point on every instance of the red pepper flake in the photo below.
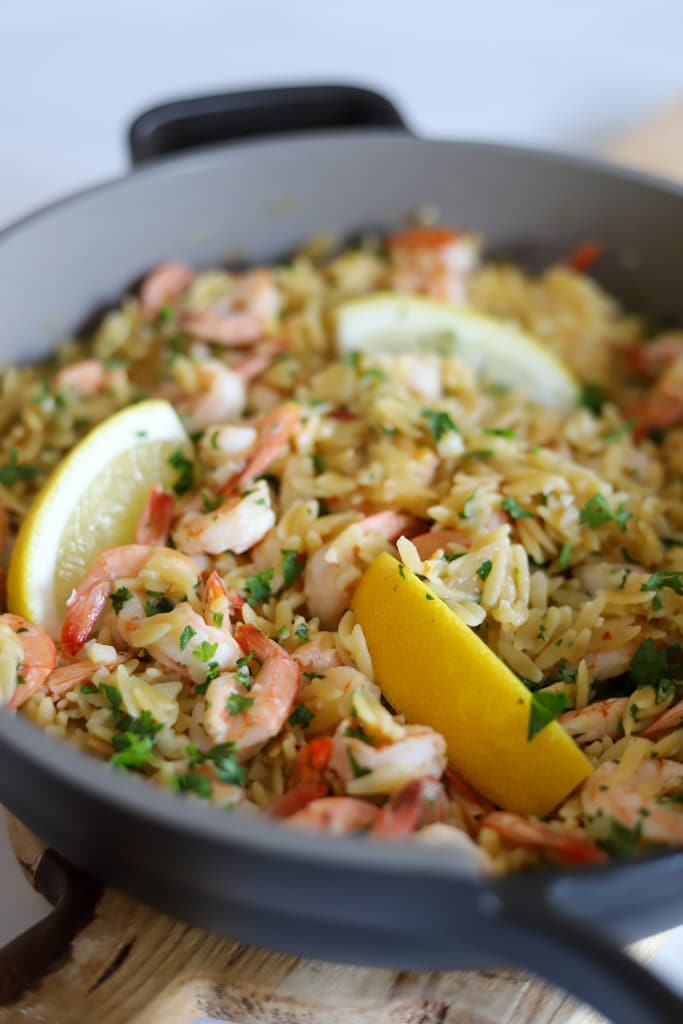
[584,256]
[343,414]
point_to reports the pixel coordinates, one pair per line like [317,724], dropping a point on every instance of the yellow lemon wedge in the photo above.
[92,501]
[436,671]
[391,323]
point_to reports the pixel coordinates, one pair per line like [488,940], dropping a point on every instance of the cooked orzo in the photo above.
[224,653]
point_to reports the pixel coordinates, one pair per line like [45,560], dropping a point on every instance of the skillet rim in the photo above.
[130,794]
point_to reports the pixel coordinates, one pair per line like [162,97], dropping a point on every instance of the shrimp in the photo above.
[242,318]
[663,405]
[434,260]
[274,430]
[524,832]
[162,285]
[154,524]
[219,394]
[337,815]
[312,760]
[671,719]
[647,360]
[296,799]
[86,377]
[333,571]
[401,813]
[318,653]
[86,604]
[638,801]
[63,679]
[611,663]
[368,769]
[27,656]
[250,710]
[235,524]
[595,721]
[428,544]
[145,616]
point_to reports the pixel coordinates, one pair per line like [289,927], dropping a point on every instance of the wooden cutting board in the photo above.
[116,961]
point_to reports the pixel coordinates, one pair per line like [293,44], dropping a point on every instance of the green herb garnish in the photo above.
[545,708]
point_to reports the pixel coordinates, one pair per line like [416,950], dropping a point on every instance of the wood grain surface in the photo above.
[116,961]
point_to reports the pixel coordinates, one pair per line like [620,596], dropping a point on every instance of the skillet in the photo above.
[345,163]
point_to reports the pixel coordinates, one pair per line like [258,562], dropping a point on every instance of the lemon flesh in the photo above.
[390,323]
[436,671]
[92,501]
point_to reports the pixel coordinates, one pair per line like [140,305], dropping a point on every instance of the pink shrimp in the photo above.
[671,719]
[318,653]
[216,600]
[252,717]
[154,524]
[63,679]
[274,431]
[337,815]
[27,656]
[523,832]
[401,813]
[595,721]
[652,357]
[428,544]
[662,407]
[434,260]
[242,318]
[327,596]
[86,377]
[639,800]
[162,285]
[296,799]
[87,602]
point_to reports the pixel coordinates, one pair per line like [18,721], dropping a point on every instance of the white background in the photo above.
[74,73]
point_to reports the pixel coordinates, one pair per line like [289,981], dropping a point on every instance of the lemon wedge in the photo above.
[436,671]
[391,323]
[92,501]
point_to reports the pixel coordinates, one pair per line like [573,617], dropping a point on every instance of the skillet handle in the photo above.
[186,124]
[558,933]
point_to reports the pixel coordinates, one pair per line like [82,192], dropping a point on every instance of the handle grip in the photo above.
[557,934]
[186,124]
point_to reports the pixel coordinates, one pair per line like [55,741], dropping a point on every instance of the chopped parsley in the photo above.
[373,373]
[484,570]
[358,772]
[186,636]
[619,432]
[616,839]
[592,398]
[452,556]
[166,314]
[205,651]
[119,597]
[467,511]
[353,359]
[12,473]
[401,571]
[213,441]
[313,675]
[511,505]
[185,470]
[236,703]
[131,751]
[301,632]
[193,782]
[319,464]
[625,554]
[652,667]
[544,709]
[438,422]
[478,453]
[565,557]
[500,432]
[596,512]
[88,688]
[292,565]
[224,759]
[567,675]
[671,542]
[210,502]
[114,696]
[157,604]
[258,586]
[665,580]
[301,715]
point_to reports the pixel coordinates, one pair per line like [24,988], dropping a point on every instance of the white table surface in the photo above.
[74,73]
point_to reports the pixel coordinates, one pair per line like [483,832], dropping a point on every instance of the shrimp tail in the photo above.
[296,799]
[401,814]
[252,639]
[154,525]
[82,615]
[522,832]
